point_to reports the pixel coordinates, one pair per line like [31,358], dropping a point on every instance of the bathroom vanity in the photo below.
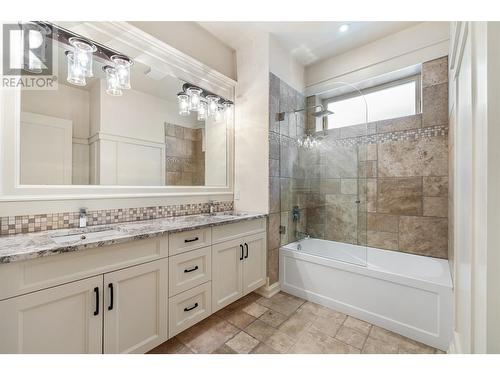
[124,288]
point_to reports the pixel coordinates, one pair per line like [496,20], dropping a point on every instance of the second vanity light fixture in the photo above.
[194,99]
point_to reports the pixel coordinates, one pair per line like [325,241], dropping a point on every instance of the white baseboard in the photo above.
[455,345]
[269,290]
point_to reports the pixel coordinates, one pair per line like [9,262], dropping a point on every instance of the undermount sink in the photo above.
[85,235]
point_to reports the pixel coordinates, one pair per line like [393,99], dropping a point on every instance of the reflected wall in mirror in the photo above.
[82,135]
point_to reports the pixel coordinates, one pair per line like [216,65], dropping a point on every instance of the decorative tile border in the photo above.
[66,220]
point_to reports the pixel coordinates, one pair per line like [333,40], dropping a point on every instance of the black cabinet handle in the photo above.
[246,246]
[191,308]
[110,286]
[241,254]
[96,291]
[191,239]
[191,269]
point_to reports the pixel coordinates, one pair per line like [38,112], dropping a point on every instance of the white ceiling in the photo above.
[308,42]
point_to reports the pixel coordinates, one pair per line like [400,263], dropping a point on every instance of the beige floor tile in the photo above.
[283,303]
[263,349]
[172,346]
[330,326]
[314,341]
[208,335]
[238,318]
[273,318]
[374,346]
[255,309]
[224,349]
[279,342]
[295,326]
[242,343]
[351,337]
[405,345]
[260,330]
[358,325]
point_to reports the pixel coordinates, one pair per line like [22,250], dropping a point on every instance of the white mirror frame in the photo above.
[133,42]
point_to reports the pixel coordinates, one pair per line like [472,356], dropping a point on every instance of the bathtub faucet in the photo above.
[301,235]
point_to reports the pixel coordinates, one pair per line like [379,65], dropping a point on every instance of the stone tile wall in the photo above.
[185,164]
[400,169]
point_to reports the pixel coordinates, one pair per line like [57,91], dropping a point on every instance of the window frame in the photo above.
[414,78]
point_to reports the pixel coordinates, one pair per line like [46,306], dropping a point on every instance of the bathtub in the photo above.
[404,293]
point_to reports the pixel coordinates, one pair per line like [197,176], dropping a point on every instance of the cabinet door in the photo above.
[55,320]
[227,275]
[254,262]
[135,308]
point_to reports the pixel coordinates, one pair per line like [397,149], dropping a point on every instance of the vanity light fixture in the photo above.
[75,73]
[207,104]
[122,66]
[183,101]
[112,80]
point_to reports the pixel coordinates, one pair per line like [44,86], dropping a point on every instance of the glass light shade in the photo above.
[213,105]
[75,74]
[122,66]
[83,52]
[194,97]
[219,114]
[202,111]
[183,101]
[112,81]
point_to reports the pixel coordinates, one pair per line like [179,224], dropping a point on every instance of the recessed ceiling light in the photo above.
[343,28]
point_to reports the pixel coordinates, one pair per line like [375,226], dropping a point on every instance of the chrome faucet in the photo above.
[302,235]
[83,217]
[211,208]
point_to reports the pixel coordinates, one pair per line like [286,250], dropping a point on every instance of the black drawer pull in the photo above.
[110,286]
[191,269]
[241,254]
[246,246]
[191,239]
[191,308]
[96,291]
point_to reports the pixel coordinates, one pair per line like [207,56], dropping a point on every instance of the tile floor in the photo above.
[286,324]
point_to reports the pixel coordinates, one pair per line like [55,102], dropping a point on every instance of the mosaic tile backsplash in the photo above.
[65,220]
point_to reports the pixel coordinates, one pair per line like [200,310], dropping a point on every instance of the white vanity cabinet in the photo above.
[64,319]
[129,297]
[239,265]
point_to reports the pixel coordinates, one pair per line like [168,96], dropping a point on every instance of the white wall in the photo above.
[283,65]
[252,124]
[422,42]
[474,85]
[194,41]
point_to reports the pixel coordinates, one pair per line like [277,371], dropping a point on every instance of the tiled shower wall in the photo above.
[285,173]
[185,164]
[397,168]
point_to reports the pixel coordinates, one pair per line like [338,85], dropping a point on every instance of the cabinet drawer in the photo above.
[190,269]
[189,240]
[237,230]
[188,308]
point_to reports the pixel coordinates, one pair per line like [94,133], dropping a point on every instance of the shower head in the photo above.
[322,113]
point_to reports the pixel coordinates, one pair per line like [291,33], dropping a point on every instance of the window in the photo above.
[396,99]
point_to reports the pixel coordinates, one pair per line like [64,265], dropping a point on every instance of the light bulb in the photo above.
[122,66]
[112,81]
[213,105]
[202,111]
[183,101]
[194,97]
[82,57]
[75,73]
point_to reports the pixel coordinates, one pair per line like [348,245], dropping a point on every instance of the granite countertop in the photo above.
[18,247]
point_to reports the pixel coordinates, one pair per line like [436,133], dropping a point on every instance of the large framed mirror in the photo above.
[85,136]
